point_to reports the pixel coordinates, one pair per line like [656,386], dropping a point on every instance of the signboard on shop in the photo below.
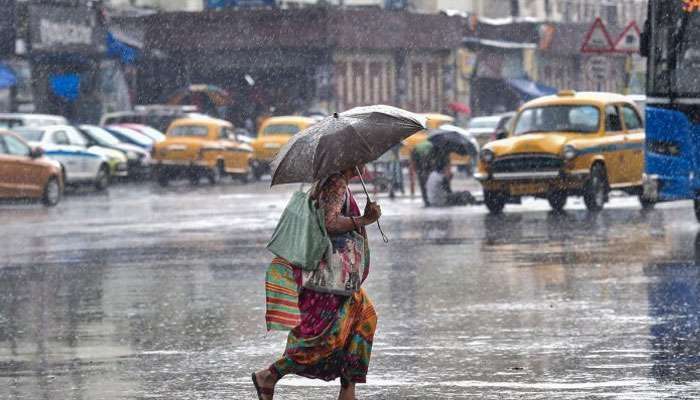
[65,30]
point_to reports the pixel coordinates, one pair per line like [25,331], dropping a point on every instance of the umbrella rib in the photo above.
[369,148]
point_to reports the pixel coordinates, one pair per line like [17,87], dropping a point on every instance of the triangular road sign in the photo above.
[597,40]
[628,42]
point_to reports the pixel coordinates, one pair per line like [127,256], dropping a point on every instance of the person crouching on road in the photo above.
[439,191]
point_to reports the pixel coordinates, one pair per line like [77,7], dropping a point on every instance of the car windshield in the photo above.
[10,122]
[281,129]
[580,119]
[189,130]
[483,123]
[29,134]
[152,133]
[133,136]
[100,135]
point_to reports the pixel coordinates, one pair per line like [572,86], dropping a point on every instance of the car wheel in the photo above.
[257,173]
[557,200]
[494,201]
[102,178]
[193,177]
[245,177]
[596,191]
[214,175]
[646,203]
[162,177]
[52,192]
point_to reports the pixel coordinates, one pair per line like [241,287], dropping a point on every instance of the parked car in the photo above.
[13,120]
[138,160]
[26,173]
[490,128]
[571,144]
[196,147]
[274,133]
[152,133]
[130,136]
[158,116]
[432,121]
[64,144]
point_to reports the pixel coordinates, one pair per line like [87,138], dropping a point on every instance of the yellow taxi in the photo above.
[201,147]
[433,121]
[570,144]
[274,133]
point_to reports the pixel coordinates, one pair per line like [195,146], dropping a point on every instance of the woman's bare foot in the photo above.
[267,380]
[347,392]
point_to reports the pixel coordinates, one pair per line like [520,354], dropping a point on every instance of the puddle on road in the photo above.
[528,305]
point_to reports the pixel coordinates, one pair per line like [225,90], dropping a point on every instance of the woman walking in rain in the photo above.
[334,336]
[330,318]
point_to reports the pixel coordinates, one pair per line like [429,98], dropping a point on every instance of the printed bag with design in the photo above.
[342,269]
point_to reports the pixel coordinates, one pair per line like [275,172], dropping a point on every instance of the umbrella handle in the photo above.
[364,187]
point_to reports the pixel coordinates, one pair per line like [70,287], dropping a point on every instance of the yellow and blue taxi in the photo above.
[570,144]
[201,147]
[273,134]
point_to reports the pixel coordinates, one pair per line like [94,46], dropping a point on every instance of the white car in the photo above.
[14,120]
[65,145]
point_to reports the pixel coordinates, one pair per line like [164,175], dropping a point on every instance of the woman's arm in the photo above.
[332,199]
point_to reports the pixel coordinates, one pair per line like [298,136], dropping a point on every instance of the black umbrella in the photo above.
[452,142]
[342,141]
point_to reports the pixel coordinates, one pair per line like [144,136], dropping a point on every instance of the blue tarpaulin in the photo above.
[66,86]
[529,90]
[7,77]
[121,50]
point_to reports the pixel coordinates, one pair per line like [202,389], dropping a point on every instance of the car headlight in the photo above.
[569,153]
[487,156]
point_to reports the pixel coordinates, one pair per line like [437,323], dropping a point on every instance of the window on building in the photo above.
[611,14]
[514,8]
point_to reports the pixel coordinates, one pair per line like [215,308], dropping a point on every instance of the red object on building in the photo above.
[460,108]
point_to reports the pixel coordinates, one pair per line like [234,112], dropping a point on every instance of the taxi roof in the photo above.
[597,98]
[437,116]
[205,121]
[289,119]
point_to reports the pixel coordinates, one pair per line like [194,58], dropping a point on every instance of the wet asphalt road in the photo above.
[146,293]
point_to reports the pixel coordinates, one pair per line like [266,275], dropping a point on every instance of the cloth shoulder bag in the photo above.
[341,271]
[300,236]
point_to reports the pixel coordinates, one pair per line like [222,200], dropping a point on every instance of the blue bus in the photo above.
[671,43]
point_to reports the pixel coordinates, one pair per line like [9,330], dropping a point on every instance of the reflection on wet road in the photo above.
[145,293]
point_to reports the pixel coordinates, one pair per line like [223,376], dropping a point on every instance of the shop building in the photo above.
[275,61]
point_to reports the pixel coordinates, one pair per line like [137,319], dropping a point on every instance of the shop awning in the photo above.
[7,77]
[122,47]
[65,86]
[529,90]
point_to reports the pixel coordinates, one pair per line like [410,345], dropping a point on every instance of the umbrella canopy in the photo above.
[342,141]
[452,142]
[460,108]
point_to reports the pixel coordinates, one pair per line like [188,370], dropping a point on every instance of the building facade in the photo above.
[291,61]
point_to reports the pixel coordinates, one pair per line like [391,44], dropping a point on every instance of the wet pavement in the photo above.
[150,293]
